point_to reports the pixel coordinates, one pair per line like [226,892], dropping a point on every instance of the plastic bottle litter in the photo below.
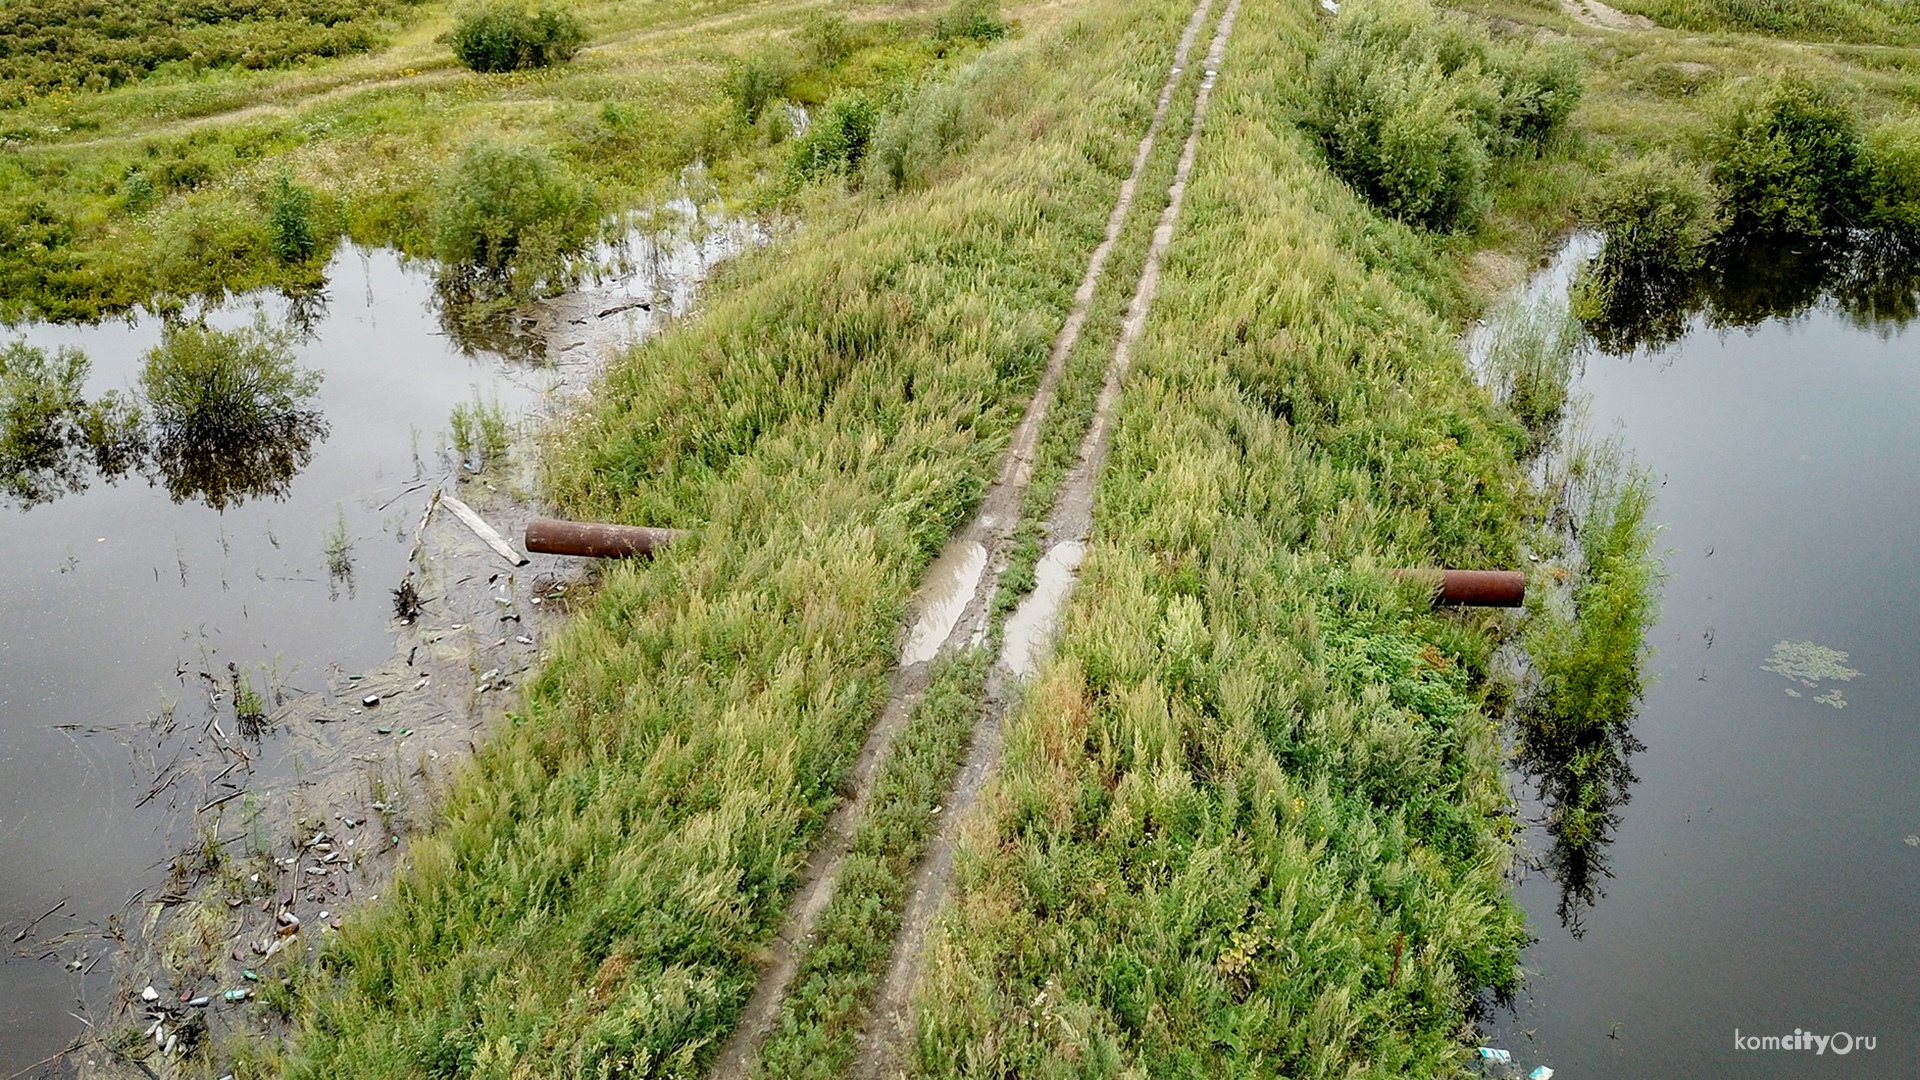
[237,995]
[1494,1053]
[200,1002]
[1541,1073]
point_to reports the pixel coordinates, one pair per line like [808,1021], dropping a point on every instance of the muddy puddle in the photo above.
[212,657]
[1763,877]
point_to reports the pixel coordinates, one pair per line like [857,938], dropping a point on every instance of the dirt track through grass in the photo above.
[954,604]
[890,1022]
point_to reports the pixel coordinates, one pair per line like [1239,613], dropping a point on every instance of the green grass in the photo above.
[814,1037]
[177,186]
[595,898]
[1256,761]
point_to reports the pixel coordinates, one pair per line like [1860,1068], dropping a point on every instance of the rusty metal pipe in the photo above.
[1474,588]
[594,540]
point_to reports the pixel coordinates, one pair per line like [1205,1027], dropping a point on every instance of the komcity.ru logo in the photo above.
[1839,1042]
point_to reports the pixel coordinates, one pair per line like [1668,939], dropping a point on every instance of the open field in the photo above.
[1252,816]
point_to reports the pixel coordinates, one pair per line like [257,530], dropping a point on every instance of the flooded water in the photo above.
[1764,877]
[132,606]
[125,605]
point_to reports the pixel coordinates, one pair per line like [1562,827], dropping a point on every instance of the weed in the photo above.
[339,546]
[837,139]
[480,431]
[290,226]
[981,20]
[1530,354]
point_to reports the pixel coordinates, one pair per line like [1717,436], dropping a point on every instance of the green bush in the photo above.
[232,410]
[914,133]
[981,20]
[1893,161]
[508,37]
[511,210]
[1658,217]
[837,140]
[1788,159]
[1412,108]
[225,384]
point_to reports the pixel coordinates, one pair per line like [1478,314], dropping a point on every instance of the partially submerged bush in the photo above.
[40,405]
[1788,158]
[1411,108]
[507,36]
[1658,217]
[232,411]
[512,212]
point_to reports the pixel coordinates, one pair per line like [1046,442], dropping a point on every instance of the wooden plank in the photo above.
[483,530]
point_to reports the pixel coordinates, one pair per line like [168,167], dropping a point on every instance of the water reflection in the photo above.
[222,417]
[1872,279]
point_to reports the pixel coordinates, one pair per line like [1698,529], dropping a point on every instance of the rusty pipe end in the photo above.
[1473,588]
[594,540]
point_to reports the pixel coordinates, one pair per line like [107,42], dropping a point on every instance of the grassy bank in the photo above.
[595,897]
[1251,818]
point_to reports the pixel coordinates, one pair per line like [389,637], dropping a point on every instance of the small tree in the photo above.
[1788,157]
[290,230]
[509,37]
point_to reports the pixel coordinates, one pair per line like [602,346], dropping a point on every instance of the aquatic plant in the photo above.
[480,430]
[1530,353]
[1586,648]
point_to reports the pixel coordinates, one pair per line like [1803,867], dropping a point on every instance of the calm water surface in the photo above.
[118,599]
[1766,869]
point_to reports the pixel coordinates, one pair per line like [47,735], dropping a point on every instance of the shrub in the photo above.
[1411,108]
[225,384]
[508,37]
[981,20]
[232,412]
[914,134]
[40,406]
[290,227]
[837,140]
[510,209]
[1893,162]
[1658,216]
[1788,158]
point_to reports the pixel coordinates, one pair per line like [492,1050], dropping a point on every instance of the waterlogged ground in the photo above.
[1765,875]
[125,607]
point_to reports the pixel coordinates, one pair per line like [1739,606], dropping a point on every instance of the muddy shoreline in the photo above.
[308,814]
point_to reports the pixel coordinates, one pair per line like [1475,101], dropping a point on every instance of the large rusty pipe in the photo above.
[1474,588]
[594,540]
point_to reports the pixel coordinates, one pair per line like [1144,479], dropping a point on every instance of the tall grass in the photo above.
[607,867]
[1586,647]
[1251,818]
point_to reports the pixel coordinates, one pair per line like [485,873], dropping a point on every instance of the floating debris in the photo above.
[371,701]
[150,994]
[1913,841]
[1494,1053]
[1810,665]
[237,995]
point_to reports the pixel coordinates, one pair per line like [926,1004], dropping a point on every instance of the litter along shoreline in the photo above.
[209,954]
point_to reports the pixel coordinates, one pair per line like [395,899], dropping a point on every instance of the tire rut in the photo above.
[954,601]
[1030,629]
